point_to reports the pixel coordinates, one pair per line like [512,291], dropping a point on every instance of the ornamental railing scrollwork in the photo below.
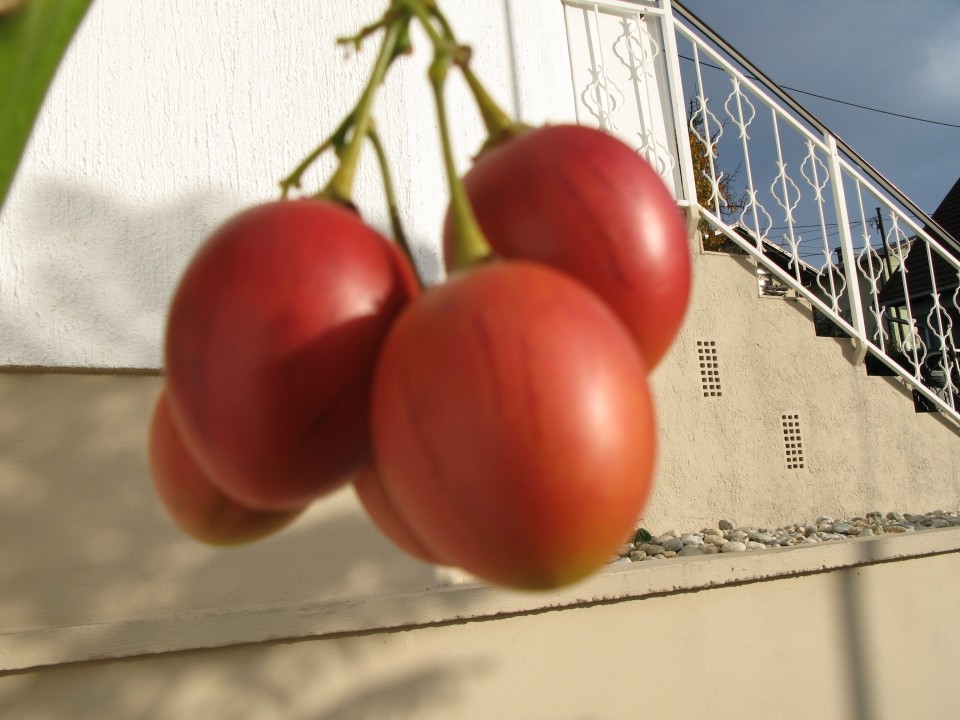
[774,181]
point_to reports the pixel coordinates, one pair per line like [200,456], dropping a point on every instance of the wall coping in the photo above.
[455,603]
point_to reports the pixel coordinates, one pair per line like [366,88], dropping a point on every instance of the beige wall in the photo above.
[864,446]
[86,541]
[867,643]
[92,568]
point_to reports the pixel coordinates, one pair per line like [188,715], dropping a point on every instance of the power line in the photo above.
[841,102]
[871,109]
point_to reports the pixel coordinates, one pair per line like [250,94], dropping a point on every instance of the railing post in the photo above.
[679,112]
[846,247]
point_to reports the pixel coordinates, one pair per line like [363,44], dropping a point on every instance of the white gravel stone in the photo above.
[673,545]
[733,546]
[650,548]
[728,538]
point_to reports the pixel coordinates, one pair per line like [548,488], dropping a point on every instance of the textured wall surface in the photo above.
[166,117]
[863,446]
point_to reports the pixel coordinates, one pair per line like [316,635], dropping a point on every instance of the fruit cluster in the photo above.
[500,421]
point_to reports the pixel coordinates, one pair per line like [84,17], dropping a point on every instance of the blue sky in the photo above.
[889,54]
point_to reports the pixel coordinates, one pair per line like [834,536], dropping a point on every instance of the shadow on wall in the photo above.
[90,285]
[90,281]
[851,601]
[84,541]
[335,680]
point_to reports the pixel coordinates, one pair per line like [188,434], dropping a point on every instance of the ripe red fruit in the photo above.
[271,343]
[192,500]
[513,426]
[369,489]
[582,201]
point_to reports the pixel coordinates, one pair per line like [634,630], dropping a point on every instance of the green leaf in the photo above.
[642,535]
[32,42]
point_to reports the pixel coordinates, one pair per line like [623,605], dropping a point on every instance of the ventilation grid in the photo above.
[792,443]
[709,368]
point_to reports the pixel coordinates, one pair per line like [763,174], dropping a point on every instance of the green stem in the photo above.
[497,122]
[335,140]
[470,246]
[495,119]
[340,186]
[395,222]
[423,13]
[365,32]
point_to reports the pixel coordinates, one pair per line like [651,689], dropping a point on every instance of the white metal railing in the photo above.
[755,167]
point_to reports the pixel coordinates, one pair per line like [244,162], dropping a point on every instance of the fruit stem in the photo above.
[340,186]
[336,141]
[496,120]
[423,10]
[498,123]
[470,246]
[388,187]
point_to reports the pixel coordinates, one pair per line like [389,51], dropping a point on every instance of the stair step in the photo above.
[877,368]
[922,405]
[825,327]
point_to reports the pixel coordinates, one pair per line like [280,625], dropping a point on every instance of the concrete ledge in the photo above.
[452,604]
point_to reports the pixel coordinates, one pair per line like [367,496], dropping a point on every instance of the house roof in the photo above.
[947,213]
[917,263]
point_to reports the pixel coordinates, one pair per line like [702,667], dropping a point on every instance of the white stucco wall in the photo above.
[166,117]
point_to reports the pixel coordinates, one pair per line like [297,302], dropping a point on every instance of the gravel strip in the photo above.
[728,537]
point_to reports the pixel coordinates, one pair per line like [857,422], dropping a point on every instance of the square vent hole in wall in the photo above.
[709,361]
[792,441]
